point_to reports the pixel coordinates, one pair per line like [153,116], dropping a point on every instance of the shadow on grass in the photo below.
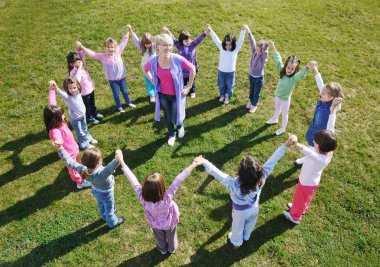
[19,168]
[57,248]
[61,187]
[227,256]
[149,258]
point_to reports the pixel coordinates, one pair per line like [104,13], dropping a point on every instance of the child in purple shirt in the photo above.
[161,212]
[186,48]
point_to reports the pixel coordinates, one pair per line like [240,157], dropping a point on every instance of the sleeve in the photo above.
[216,40]
[265,53]
[185,64]
[252,41]
[72,163]
[77,73]
[222,177]
[123,43]
[63,94]
[319,81]
[55,134]
[272,161]
[199,39]
[176,42]
[331,122]
[278,60]
[92,54]
[137,42]
[52,99]
[239,43]
[177,182]
[300,75]
[307,151]
[147,66]
[82,57]
[109,169]
[134,182]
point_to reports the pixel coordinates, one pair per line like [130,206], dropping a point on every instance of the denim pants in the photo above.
[243,223]
[106,206]
[255,85]
[81,131]
[166,240]
[168,104]
[186,81]
[149,86]
[122,86]
[226,83]
[89,102]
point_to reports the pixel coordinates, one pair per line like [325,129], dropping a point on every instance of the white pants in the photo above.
[281,106]
[243,223]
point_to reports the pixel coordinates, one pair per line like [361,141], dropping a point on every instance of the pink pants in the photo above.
[75,176]
[301,200]
[281,106]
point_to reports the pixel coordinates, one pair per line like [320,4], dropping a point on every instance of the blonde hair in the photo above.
[109,41]
[163,39]
[334,89]
[260,44]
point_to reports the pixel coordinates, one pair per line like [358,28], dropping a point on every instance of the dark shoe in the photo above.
[120,221]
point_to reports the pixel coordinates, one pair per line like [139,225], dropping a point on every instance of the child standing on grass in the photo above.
[160,210]
[245,191]
[257,64]
[228,50]
[77,68]
[186,48]
[56,126]
[113,67]
[102,179]
[289,76]
[148,51]
[77,110]
[313,164]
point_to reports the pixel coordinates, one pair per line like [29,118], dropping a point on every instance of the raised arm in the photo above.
[317,75]
[135,39]
[301,74]
[89,52]
[124,41]
[240,42]
[332,117]
[276,56]
[252,41]
[199,39]
[222,177]
[180,178]
[175,41]
[52,99]
[72,163]
[215,38]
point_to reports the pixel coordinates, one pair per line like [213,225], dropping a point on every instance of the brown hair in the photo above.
[71,80]
[146,38]
[291,60]
[108,41]
[260,44]
[91,158]
[250,175]
[53,117]
[326,141]
[334,89]
[153,188]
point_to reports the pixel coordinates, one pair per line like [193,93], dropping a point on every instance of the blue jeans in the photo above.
[255,85]
[149,86]
[122,85]
[80,128]
[226,83]
[243,223]
[106,206]
[168,104]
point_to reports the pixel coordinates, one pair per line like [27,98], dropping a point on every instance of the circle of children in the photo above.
[169,78]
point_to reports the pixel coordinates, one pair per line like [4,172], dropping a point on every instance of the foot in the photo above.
[226,100]
[131,105]
[221,99]
[248,105]
[229,242]
[272,121]
[192,95]
[298,165]
[84,184]
[152,99]
[289,217]
[119,221]
[121,110]
[162,252]
[89,146]
[181,132]
[290,205]
[94,121]
[280,131]
[172,252]
[171,140]
[252,109]
[99,116]
[94,142]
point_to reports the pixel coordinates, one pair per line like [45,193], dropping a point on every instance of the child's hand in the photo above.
[165,30]
[129,28]
[208,27]
[185,90]
[119,156]
[336,102]
[79,64]
[245,27]
[292,140]
[312,65]
[270,42]
[52,85]
[199,160]
[79,45]
[58,143]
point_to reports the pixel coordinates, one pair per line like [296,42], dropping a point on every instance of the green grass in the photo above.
[44,220]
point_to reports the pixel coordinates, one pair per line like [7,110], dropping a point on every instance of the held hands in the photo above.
[271,43]
[79,64]
[52,85]
[245,27]
[79,45]
[166,30]
[336,102]
[291,141]
[119,156]
[57,143]
[312,65]
[185,90]
[199,160]
[208,27]
[129,28]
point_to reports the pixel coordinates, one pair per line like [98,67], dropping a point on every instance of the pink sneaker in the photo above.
[252,109]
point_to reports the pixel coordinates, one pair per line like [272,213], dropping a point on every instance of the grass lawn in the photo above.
[45,220]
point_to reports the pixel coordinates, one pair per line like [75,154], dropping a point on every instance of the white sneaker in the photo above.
[272,121]
[287,216]
[131,105]
[181,132]
[280,131]
[84,184]
[226,99]
[290,205]
[192,95]
[221,99]
[300,161]
[252,109]
[171,140]
[152,99]
[248,105]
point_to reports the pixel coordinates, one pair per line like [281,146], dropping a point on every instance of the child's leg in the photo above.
[124,91]
[160,240]
[301,200]
[222,83]
[115,93]
[80,127]
[108,201]
[149,86]
[74,175]
[230,83]
[86,101]
[285,105]
[171,237]
[165,105]
[257,85]
[92,105]
[100,203]
[251,88]
[277,108]
[250,222]
[238,222]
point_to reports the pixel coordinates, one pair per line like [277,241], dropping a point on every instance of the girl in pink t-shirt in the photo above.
[56,126]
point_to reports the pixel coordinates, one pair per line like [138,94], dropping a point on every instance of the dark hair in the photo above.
[153,188]
[183,35]
[326,141]
[291,60]
[72,57]
[146,38]
[53,117]
[250,175]
[71,80]
[90,158]
[229,38]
